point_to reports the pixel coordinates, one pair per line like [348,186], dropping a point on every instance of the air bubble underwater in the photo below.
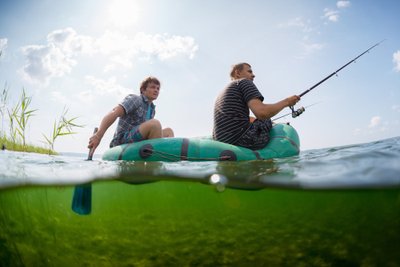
[219,182]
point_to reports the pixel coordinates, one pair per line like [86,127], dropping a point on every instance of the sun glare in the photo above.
[123,13]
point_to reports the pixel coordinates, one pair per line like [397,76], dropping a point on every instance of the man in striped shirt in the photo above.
[232,121]
[136,118]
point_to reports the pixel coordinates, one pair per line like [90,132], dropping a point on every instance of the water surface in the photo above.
[371,165]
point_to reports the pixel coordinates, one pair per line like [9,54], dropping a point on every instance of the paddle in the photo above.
[82,200]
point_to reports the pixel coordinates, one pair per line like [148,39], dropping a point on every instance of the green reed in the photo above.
[62,127]
[20,115]
[3,105]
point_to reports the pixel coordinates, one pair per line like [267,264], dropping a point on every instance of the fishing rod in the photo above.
[296,113]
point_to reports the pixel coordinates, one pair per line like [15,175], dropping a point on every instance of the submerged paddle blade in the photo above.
[82,200]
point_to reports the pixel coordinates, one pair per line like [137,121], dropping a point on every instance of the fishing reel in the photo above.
[298,112]
[295,113]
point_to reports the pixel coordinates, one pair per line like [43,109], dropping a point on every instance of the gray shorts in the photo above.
[256,136]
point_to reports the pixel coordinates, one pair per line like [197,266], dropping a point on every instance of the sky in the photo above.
[86,56]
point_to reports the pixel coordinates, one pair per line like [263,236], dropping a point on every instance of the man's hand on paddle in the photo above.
[94,142]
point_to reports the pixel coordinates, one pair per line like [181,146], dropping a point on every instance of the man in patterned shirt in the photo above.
[136,118]
[232,123]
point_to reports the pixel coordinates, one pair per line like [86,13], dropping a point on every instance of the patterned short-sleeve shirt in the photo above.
[136,108]
[231,112]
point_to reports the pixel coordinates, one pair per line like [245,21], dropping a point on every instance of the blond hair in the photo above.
[238,67]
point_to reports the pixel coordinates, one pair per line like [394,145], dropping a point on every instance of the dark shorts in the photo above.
[256,136]
[132,136]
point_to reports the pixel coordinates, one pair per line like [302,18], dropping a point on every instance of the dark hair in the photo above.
[238,67]
[146,82]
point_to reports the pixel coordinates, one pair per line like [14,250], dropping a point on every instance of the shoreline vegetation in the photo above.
[18,118]
[7,144]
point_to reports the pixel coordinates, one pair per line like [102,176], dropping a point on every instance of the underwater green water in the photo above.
[184,223]
[335,206]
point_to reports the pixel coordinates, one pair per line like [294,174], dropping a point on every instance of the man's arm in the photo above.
[266,111]
[106,122]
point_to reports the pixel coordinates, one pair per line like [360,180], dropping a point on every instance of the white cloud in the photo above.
[101,87]
[3,43]
[176,45]
[375,122]
[113,42]
[106,87]
[45,62]
[311,47]
[56,58]
[376,125]
[305,26]
[343,4]
[396,108]
[59,55]
[59,97]
[299,22]
[70,42]
[86,96]
[357,131]
[332,15]
[396,60]
[162,46]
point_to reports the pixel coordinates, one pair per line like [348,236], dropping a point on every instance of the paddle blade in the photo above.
[82,200]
